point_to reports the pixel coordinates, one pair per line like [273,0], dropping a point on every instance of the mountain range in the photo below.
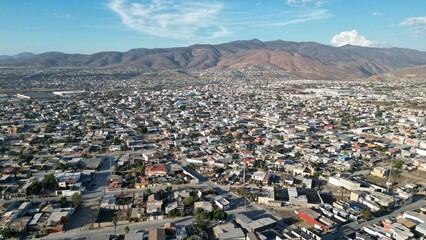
[16,56]
[300,59]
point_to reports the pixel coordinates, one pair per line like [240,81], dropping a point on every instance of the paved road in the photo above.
[100,181]
[36,200]
[251,209]
[155,189]
[181,221]
[107,154]
[87,212]
[85,215]
[352,227]
[120,229]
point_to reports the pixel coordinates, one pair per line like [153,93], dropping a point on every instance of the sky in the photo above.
[89,26]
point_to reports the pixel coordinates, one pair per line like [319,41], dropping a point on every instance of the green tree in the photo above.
[114,169]
[116,140]
[162,196]
[16,171]
[114,223]
[398,164]
[126,229]
[142,129]
[49,183]
[172,213]
[276,148]
[199,226]
[188,201]
[64,202]
[298,154]
[366,214]
[60,165]
[201,216]
[3,150]
[384,209]
[5,233]
[26,157]
[34,188]
[181,213]
[218,214]
[41,207]
[149,191]
[76,200]
[223,215]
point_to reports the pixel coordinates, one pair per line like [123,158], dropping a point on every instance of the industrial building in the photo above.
[228,231]
[68,93]
[345,183]
[258,225]
[34,95]
[310,216]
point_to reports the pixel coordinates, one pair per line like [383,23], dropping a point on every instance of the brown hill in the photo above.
[304,59]
[414,72]
[418,72]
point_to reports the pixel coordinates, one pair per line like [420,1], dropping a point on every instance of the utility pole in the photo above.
[390,173]
[110,167]
[244,185]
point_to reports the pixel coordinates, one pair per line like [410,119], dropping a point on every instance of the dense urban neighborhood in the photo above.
[219,159]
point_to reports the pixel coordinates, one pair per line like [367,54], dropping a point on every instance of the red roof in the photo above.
[156,168]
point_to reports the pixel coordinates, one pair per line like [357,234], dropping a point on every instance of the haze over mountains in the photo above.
[19,55]
[304,59]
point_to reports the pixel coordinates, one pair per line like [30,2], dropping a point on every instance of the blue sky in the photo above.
[88,26]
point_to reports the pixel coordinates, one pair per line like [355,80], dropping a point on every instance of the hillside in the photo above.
[303,59]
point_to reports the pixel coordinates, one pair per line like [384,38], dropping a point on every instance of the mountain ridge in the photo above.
[296,58]
[19,55]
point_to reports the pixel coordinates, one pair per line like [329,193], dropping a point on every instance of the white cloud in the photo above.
[352,38]
[377,14]
[417,25]
[307,16]
[171,19]
[221,32]
[302,3]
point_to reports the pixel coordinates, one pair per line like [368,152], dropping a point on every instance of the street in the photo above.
[147,225]
[86,214]
[354,226]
